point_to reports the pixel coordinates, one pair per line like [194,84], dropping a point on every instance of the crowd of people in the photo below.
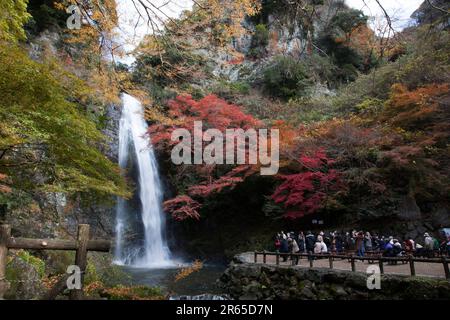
[358,242]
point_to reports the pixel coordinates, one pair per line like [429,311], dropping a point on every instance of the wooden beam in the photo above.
[56,244]
[81,258]
[5,234]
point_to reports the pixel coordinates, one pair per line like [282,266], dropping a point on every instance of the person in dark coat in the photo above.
[284,249]
[339,243]
[310,241]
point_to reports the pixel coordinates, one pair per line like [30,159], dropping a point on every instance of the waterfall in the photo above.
[135,144]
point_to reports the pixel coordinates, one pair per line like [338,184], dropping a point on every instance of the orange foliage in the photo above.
[415,108]
[186,272]
[4,188]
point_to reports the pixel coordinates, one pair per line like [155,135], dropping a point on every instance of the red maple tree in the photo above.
[214,113]
[305,192]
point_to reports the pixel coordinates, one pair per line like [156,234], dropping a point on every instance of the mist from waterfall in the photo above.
[134,143]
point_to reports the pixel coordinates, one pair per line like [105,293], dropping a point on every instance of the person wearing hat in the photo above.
[429,244]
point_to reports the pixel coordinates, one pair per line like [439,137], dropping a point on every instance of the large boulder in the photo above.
[24,274]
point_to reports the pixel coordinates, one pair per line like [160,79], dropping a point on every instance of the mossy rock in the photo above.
[24,272]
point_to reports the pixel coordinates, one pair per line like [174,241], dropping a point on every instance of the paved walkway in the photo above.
[422,268]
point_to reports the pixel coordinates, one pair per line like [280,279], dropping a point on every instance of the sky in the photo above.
[399,10]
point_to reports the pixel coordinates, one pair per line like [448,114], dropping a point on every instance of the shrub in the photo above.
[228,90]
[285,78]
[260,40]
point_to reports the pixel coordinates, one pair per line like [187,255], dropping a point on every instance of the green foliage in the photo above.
[38,264]
[91,273]
[430,49]
[228,90]
[285,78]
[44,15]
[100,268]
[347,20]
[260,40]
[13,16]
[46,136]
[334,40]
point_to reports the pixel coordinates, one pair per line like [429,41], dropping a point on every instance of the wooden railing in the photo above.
[81,245]
[351,258]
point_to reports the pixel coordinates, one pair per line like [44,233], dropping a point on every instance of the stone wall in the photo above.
[249,281]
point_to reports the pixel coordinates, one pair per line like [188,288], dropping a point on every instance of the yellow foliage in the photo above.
[186,272]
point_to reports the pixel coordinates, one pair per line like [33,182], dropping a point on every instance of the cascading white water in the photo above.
[133,137]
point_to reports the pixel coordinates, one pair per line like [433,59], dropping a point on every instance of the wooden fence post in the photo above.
[380,264]
[264,257]
[81,258]
[353,264]
[411,266]
[256,257]
[277,258]
[331,262]
[311,261]
[5,234]
[446,270]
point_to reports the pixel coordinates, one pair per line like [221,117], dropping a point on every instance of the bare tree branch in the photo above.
[437,8]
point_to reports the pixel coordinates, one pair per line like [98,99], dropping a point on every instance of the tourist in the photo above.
[338,243]
[348,241]
[284,248]
[388,249]
[294,249]
[309,242]
[398,250]
[429,245]
[277,242]
[377,243]
[410,245]
[327,239]
[368,242]
[360,244]
[301,241]
[320,247]
[420,251]
[436,246]
[448,247]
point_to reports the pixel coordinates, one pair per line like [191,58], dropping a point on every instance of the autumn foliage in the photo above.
[215,113]
[304,193]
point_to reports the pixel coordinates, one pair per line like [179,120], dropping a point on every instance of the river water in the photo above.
[198,283]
